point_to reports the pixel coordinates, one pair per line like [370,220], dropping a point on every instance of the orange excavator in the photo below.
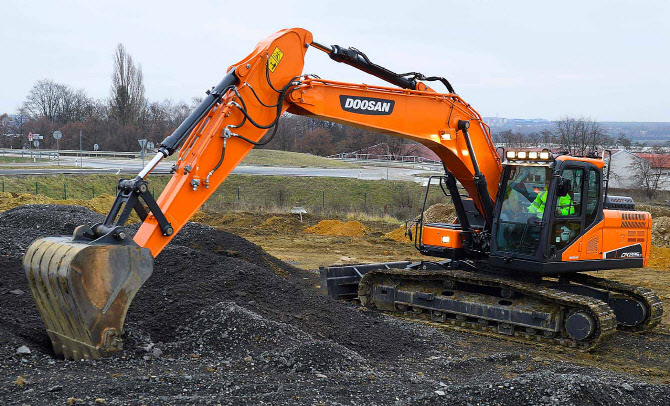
[509,265]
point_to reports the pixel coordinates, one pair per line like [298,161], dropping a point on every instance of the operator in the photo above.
[564,205]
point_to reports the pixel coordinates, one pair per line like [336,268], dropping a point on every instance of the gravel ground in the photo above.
[222,322]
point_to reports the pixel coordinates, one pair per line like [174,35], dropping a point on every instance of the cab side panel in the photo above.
[621,235]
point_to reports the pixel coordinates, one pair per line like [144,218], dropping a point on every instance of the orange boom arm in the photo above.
[266,84]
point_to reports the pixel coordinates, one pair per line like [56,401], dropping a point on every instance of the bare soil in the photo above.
[223,321]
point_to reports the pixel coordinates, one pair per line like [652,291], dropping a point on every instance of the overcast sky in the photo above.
[608,60]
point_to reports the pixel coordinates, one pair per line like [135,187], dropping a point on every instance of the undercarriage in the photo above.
[575,310]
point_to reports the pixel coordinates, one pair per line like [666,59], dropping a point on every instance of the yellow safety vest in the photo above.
[564,203]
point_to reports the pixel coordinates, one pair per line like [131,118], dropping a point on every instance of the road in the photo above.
[97,165]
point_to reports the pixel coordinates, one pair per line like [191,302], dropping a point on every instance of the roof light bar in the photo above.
[544,155]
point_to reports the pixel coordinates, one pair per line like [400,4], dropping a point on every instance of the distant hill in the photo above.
[649,132]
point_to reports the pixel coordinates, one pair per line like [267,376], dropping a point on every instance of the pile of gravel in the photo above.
[222,321]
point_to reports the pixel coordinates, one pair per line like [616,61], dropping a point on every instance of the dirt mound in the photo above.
[185,281]
[233,333]
[398,235]
[283,224]
[654,210]
[100,204]
[659,258]
[440,213]
[317,356]
[215,323]
[205,238]
[660,231]
[351,228]
[200,268]
[229,330]
[11,200]
[24,224]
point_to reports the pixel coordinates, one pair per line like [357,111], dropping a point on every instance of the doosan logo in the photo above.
[631,254]
[367,105]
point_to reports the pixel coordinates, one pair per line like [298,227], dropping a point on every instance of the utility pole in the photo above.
[81,158]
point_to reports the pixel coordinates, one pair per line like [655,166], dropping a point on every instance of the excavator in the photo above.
[528,225]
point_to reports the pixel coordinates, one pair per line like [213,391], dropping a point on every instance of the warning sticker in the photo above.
[275,58]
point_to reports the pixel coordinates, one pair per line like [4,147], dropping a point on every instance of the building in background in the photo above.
[627,167]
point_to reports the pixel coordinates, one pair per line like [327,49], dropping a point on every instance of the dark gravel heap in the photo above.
[222,321]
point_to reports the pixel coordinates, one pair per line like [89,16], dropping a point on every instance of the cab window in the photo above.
[522,208]
[569,205]
[568,223]
[592,196]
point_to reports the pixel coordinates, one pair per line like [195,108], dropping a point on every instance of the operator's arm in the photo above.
[539,203]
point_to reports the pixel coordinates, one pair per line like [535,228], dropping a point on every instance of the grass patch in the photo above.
[292,159]
[274,194]
[11,159]
[271,157]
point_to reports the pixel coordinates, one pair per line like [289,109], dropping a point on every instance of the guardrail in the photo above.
[386,157]
[53,154]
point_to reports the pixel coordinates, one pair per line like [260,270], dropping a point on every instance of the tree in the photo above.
[398,146]
[579,136]
[652,171]
[547,137]
[57,103]
[317,142]
[127,93]
[623,140]
[512,139]
[44,100]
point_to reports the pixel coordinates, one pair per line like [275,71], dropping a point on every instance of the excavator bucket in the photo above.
[83,292]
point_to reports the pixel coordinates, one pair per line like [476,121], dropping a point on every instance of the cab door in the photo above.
[573,234]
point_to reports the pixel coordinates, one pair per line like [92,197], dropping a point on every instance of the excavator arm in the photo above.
[251,98]
[84,285]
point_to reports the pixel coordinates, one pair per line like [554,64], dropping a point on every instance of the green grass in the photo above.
[18,159]
[293,159]
[398,199]
[271,157]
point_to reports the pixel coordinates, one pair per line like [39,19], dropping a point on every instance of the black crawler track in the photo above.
[560,301]
[648,297]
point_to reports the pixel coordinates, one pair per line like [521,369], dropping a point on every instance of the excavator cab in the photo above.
[550,218]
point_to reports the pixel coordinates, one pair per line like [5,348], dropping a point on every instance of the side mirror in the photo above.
[564,187]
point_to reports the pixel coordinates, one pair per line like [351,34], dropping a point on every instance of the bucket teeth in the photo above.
[83,292]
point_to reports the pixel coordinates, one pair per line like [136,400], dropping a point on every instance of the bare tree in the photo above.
[44,100]
[652,171]
[398,146]
[56,102]
[623,140]
[580,136]
[512,139]
[127,94]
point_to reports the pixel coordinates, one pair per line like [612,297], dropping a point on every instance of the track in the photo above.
[533,312]
[650,300]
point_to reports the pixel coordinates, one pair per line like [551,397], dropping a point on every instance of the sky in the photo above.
[606,60]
